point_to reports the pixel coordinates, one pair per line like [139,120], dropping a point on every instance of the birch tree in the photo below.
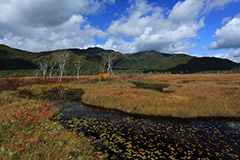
[43,65]
[52,64]
[61,58]
[109,60]
[80,60]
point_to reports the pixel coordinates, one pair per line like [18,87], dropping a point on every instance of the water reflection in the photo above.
[145,137]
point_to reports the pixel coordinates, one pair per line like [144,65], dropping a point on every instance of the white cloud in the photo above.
[216,4]
[233,55]
[49,24]
[226,19]
[238,15]
[140,16]
[44,12]
[37,25]
[228,39]
[228,36]
[185,11]
[148,28]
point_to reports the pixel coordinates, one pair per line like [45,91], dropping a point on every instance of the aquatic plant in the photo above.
[132,136]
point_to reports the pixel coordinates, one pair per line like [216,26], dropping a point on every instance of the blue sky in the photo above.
[199,28]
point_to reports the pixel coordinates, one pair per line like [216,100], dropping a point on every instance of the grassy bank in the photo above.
[186,96]
[27,133]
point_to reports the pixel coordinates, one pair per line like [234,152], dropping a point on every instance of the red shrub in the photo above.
[11,83]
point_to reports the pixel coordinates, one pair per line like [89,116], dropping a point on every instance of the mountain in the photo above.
[206,63]
[152,60]
[147,61]
[11,59]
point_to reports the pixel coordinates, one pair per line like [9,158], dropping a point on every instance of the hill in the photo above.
[11,59]
[155,61]
[147,61]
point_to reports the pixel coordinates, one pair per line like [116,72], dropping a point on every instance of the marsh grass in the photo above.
[188,96]
[27,133]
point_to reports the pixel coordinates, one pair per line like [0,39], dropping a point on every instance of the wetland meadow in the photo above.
[195,116]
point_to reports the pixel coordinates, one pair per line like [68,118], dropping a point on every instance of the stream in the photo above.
[130,136]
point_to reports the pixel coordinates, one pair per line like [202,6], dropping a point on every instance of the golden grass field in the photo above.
[195,95]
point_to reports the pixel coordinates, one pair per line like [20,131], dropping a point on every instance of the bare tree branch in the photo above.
[43,65]
[109,60]
[80,60]
[62,58]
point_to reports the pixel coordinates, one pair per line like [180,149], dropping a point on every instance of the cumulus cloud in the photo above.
[62,36]
[45,12]
[216,4]
[233,55]
[185,11]
[54,24]
[49,24]
[228,36]
[148,28]
[229,39]
[140,15]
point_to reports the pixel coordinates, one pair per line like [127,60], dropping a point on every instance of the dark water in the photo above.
[156,87]
[145,137]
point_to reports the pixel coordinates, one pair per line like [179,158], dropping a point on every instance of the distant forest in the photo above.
[15,62]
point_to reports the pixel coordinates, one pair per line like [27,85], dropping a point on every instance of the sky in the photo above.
[195,27]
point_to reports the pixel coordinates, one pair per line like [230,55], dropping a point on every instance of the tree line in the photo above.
[61,58]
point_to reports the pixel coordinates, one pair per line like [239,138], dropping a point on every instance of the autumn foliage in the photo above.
[21,117]
[27,133]
[101,77]
[11,83]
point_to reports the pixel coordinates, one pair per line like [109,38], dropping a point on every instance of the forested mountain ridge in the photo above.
[145,61]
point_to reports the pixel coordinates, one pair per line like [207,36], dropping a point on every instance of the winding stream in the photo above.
[132,136]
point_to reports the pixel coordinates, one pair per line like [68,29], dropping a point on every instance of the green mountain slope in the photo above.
[11,59]
[204,64]
[146,61]
[152,60]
